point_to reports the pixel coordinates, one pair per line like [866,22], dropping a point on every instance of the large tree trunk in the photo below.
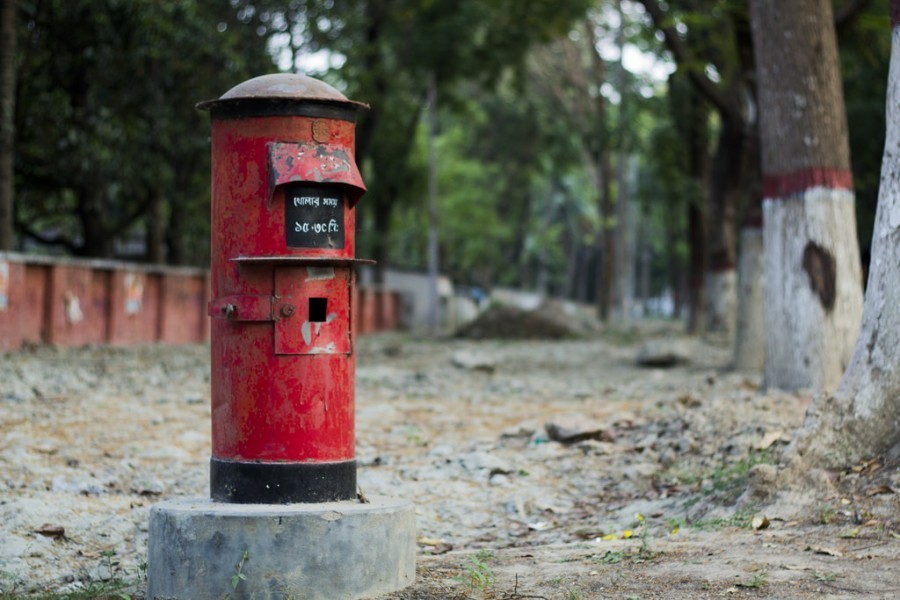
[860,420]
[813,271]
[7,119]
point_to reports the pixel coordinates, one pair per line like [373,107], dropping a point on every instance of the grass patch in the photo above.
[476,573]
[741,519]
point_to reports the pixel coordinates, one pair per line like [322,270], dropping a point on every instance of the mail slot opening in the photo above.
[318,309]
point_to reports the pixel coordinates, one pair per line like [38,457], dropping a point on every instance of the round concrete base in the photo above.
[338,550]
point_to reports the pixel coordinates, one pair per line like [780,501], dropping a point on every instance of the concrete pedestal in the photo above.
[328,551]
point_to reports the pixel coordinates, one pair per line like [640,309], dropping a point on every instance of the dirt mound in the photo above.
[508,322]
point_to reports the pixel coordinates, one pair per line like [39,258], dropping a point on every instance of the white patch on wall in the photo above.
[4,286]
[134,293]
[73,308]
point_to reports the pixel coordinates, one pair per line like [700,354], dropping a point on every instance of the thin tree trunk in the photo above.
[7,120]
[603,170]
[725,189]
[156,230]
[749,349]
[696,269]
[96,242]
[813,270]
[434,299]
[623,295]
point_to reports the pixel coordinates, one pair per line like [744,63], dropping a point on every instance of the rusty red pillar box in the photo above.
[284,190]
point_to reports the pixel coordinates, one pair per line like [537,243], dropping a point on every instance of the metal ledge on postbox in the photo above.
[316,261]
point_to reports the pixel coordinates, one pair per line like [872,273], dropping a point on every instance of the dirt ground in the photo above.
[641,502]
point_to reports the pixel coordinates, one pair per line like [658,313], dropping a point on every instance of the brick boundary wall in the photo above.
[74,302]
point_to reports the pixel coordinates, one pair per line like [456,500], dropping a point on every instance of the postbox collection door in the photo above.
[312,310]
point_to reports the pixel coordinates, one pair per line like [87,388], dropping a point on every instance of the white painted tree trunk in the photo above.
[810,340]
[862,419]
[721,303]
[750,337]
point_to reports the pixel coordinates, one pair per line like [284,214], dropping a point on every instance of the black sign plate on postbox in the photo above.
[313,217]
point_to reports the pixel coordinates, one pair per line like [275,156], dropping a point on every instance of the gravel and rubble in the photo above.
[562,467]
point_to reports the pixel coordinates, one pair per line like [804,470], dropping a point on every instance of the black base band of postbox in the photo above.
[241,482]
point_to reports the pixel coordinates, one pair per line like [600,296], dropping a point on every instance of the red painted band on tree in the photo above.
[784,185]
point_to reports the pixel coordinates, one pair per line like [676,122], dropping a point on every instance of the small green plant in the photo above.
[826,514]
[675,524]
[612,558]
[575,595]
[645,553]
[757,581]
[238,576]
[477,575]
[726,481]
[741,519]
[110,562]
[414,437]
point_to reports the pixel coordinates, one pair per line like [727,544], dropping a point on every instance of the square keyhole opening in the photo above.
[318,309]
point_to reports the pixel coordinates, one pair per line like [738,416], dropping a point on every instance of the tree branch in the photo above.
[128,221]
[703,84]
[43,239]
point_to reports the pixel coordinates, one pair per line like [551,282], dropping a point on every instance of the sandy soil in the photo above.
[641,505]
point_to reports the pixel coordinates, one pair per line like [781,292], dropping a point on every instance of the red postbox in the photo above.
[284,188]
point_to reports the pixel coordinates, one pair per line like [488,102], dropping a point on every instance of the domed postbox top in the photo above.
[277,94]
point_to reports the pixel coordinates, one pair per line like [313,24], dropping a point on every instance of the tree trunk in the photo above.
[813,271]
[434,297]
[624,289]
[156,230]
[725,191]
[859,421]
[606,247]
[750,338]
[696,268]
[7,119]
[91,207]
[692,117]
[599,151]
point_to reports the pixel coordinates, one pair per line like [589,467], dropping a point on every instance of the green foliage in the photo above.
[106,120]
[865,50]
[387,52]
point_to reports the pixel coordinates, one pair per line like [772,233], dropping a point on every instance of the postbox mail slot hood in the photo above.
[313,162]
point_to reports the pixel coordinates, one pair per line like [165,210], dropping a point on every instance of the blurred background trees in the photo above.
[599,150]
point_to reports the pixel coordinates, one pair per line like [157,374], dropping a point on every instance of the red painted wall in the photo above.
[69,302]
